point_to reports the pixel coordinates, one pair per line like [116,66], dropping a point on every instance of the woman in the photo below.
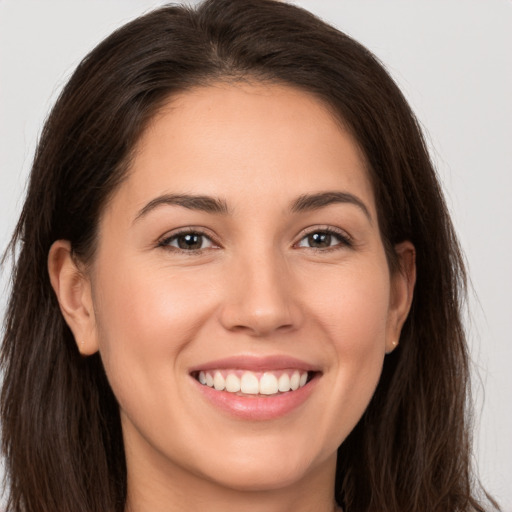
[237,284]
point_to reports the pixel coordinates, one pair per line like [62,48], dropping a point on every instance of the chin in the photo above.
[266,469]
[260,477]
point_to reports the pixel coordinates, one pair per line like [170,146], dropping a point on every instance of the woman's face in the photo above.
[243,250]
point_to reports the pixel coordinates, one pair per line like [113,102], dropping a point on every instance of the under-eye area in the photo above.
[245,382]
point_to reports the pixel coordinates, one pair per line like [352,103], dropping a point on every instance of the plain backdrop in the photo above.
[452,59]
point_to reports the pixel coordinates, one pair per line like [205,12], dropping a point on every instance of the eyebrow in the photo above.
[310,202]
[303,203]
[202,203]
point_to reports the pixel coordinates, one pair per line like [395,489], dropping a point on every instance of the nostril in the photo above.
[258,322]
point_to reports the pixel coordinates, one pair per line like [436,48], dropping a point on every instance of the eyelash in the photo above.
[165,243]
[343,240]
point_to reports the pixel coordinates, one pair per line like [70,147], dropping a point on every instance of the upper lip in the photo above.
[256,363]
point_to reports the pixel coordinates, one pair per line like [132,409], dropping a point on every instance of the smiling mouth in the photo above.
[248,383]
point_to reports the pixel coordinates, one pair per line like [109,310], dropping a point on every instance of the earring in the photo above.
[394,344]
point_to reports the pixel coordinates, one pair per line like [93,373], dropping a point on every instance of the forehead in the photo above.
[248,141]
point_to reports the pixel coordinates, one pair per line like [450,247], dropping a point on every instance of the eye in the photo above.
[324,239]
[188,241]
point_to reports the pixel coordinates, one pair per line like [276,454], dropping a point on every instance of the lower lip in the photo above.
[257,407]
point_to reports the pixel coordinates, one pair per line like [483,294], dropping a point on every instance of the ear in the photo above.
[402,289]
[73,290]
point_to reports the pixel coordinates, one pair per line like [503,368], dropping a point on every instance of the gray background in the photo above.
[452,59]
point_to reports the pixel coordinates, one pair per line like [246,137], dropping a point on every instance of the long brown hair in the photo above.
[61,433]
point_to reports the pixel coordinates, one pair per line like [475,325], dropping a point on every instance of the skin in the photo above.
[257,288]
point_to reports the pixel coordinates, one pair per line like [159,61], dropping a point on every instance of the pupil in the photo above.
[319,240]
[190,241]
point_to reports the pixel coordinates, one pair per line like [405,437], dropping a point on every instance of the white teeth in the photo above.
[267,384]
[218,381]
[249,384]
[233,383]
[295,380]
[284,382]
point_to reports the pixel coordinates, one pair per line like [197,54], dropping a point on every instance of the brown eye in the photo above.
[189,241]
[319,240]
[323,240]
[192,241]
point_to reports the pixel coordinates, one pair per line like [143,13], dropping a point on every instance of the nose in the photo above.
[260,298]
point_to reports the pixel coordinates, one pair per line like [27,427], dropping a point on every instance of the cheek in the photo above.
[353,305]
[352,309]
[146,316]
[145,301]
[359,328]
